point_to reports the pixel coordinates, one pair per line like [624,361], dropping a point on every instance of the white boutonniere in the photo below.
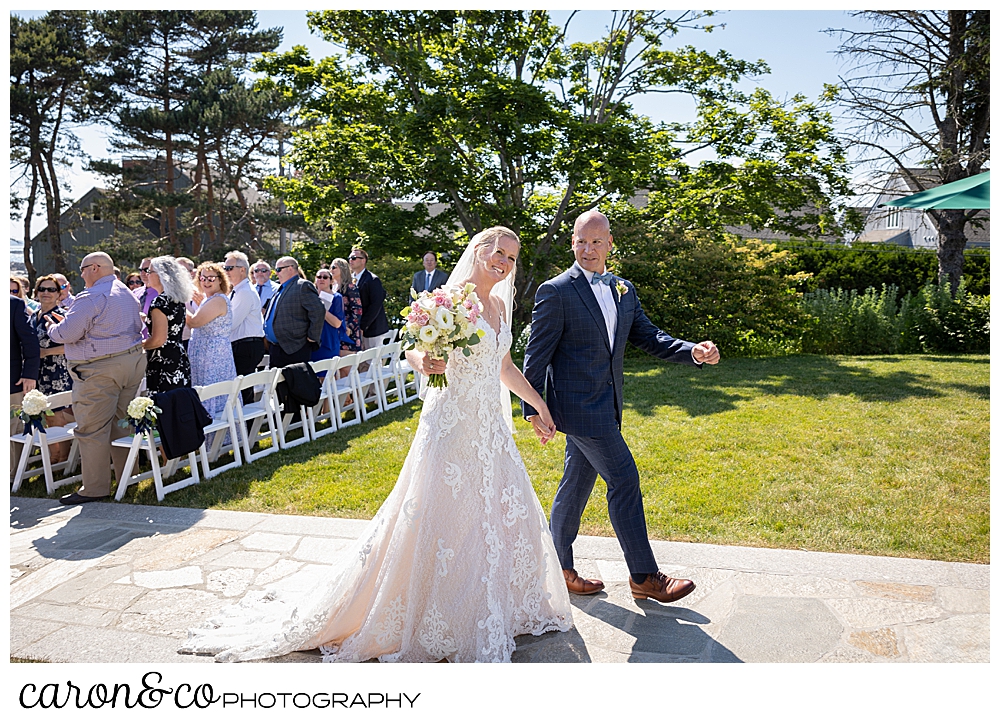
[622,288]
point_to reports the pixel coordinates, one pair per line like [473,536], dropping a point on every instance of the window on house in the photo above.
[97,215]
[893,218]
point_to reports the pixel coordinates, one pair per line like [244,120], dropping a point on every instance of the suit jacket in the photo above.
[24,352]
[373,319]
[299,316]
[438,278]
[181,422]
[571,363]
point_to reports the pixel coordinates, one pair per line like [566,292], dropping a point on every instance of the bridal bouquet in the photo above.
[33,411]
[439,322]
[140,415]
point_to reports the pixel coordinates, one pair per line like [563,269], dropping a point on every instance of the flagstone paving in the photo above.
[108,582]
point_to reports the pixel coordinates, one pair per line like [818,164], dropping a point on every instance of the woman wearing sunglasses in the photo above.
[133,281]
[334,328]
[209,349]
[53,374]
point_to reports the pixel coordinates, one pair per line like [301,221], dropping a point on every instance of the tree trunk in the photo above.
[29,212]
[951,247]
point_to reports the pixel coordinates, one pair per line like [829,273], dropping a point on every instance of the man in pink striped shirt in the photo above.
[102,335]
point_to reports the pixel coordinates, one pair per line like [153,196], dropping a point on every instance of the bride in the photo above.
[458,560]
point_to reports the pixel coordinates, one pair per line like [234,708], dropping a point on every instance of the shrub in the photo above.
[865,266]
[846,322]
[699,286]
[933,321]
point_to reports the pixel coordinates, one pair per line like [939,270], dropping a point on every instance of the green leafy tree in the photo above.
[494,115]
[49,66]
[918,89]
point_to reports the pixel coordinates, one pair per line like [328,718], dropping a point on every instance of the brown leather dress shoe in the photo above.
[661,588]
[581,585]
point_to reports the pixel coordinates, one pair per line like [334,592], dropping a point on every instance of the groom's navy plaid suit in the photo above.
[572,364]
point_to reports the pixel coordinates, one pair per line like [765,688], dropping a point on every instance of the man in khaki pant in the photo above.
[102,335]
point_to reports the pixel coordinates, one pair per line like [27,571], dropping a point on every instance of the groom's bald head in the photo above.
[592,218]
[592,241]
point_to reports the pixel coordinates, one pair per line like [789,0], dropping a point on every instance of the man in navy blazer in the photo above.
[431,277]
[579,325]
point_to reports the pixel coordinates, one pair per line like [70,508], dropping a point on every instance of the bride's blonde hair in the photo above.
[491,237]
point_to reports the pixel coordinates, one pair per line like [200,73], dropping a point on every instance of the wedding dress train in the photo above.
[456,563]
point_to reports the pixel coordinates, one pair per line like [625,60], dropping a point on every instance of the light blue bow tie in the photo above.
[605,278]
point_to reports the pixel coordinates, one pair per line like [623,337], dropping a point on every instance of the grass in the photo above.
[876,455]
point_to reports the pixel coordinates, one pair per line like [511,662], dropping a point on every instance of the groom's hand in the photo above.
[705,353]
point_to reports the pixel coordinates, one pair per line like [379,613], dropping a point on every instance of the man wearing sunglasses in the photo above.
[260,279]
[103,346]
[66,297]
[293,319]
[374,324]
[145,293]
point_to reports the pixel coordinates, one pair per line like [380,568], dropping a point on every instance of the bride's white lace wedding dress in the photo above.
[457,562]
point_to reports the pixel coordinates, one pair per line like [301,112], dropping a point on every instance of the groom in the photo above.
[580,323]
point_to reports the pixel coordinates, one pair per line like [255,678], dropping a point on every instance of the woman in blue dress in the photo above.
[334,328]
[210,350]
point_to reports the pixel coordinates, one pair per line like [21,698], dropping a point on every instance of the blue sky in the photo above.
[792,42]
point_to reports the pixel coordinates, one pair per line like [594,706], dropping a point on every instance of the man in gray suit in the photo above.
[431,277]
[293,320]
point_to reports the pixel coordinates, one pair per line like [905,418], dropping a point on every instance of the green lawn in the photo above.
[876,455]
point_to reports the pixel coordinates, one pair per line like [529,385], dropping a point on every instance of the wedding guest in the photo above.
[262,283]
[133,281]
[66,297]
[344,283]
[24,362]
[293,320]
[334,328]
[431,277]
[248,325]
[167,363]
[101,333]
[196,297]
[374,324]
[118,273]
[145,294]
[210,349]
[19,288]
[53,373]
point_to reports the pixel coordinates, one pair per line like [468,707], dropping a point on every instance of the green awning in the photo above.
[969,193]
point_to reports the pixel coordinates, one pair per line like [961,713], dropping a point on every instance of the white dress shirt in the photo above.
[606,301]
[247,320]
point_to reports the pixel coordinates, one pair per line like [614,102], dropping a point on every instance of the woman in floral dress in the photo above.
[209,349]
[167,364]
[53,374]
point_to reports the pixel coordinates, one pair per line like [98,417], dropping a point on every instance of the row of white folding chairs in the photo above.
[378,376]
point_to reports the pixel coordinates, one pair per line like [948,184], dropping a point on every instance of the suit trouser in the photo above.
[247,354]
[16,427]
[609,456]
[102,390]
[278,357]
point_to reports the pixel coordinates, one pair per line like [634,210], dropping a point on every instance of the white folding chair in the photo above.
[390,380]
[368,383]
[285,424]
[346,388]
[328,368]
[258,414]
[42,440]
[410,385]
[149,441]
[225,422]
[390,337]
